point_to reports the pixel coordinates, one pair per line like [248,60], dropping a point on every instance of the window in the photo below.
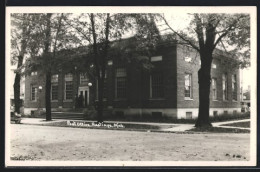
[110,62]
[83,79]
[68,90]
[68,87]
[34,73]
[54,91]
[68,77]
[54,78]
[234,87]
[188,59]
[156,85]
[224,86]
[120,83]
[156,58]
[188,92]
[33,92]
[54,87]
[213,66]
[214,88]
[215,113]
[157,115]
[188,115]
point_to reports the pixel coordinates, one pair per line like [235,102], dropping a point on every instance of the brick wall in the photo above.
[173,66]
[138,83]
[223,65]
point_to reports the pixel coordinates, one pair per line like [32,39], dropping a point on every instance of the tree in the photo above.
[100,31]
[20,33]
[211,31]
[48,36]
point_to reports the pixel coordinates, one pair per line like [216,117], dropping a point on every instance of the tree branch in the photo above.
[80,31]
[182,37]
[228,30]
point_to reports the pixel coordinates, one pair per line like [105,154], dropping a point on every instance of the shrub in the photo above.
[90,113]
[226,117]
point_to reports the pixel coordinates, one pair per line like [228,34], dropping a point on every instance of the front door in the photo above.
[84,94]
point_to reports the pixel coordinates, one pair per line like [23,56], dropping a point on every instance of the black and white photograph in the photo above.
[130,86]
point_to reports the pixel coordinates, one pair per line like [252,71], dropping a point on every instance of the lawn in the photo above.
[219,130]
[239,124]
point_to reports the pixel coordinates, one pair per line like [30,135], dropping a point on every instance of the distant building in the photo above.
[170,88]
[245,102]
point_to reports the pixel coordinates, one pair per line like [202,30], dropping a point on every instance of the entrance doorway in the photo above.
[84,94]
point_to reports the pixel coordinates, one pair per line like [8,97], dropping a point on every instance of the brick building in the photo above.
[170,88]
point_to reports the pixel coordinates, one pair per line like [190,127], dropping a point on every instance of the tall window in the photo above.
[156,85]
[120,83]
[54,87]
[214,88]
[188,88]
[33,92]
[225,86]
[234,87]
[83,79]
[68,87]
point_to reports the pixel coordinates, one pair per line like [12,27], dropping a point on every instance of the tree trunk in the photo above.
[17,101]
[100,105]
[16,86]
[47,44]
[48,96]
[204,91]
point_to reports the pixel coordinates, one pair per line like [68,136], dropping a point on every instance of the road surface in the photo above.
[31,142]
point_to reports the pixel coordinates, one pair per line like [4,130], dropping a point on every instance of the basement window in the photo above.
[157,115]
[188,115]
[156,58]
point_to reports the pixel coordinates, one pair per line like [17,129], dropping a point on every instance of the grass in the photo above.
[150,118]
[239,124]
[219,130]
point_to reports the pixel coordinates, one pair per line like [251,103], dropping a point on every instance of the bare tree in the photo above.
[212,30]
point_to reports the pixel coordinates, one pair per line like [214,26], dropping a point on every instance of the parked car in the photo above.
[15,116]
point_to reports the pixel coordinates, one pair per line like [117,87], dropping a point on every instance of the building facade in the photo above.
[169,88]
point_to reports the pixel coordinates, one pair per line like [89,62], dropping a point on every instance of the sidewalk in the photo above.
[219,124]
[172,128]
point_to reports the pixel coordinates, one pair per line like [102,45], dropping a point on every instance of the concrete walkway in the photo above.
[219,124]
[172,128]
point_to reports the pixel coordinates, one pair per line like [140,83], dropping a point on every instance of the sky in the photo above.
[180,21]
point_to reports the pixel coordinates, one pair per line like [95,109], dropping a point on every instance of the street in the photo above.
[64,143]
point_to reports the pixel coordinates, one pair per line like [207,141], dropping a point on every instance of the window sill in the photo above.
[215,100]
[54,100]
[33,100]
[118,99]
[188,99]
[103,99]
[68,100]
[156,98]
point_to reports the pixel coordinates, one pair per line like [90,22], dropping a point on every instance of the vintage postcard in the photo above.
[130,86]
